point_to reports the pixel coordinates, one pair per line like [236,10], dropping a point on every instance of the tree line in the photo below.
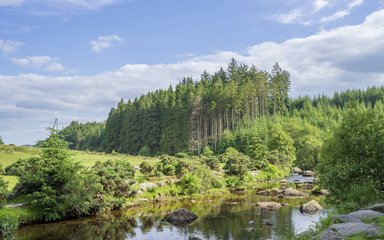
[195,114]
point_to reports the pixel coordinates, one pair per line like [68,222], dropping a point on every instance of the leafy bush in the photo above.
[190,184]
[212,162]
[115,176]
[352,166]
[147,168]
[184,166]
[55,184]
[3,190]
[236,163]
[8,227]
[19,167]
[234,182]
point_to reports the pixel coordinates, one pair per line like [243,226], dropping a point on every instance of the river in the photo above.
[220,218]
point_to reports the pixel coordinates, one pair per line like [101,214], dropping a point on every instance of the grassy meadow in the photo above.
[10,154]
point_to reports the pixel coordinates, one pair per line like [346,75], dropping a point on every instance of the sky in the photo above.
[75,59]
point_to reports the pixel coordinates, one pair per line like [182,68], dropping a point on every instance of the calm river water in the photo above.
[220,218]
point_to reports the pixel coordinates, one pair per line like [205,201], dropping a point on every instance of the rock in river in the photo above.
[269,205]
[343,230]
[180,217]
[297,170]
[311,206]
[308,173]
[290,192]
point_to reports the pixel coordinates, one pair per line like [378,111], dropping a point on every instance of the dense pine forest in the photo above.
[234,107]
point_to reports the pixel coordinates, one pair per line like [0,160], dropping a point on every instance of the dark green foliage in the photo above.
[185,166]
[212,162]
[21,166]
[8,227]
[3,191]
[55,184]
[352,167]
[190,184]
[115,176]
[147,168]
[1,141]
[87,136]
[237,164]
[144,151]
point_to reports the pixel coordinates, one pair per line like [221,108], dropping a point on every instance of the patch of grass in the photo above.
[24,214]
[12,181]
[10,154]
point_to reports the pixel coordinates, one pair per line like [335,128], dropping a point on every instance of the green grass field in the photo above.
[10,154]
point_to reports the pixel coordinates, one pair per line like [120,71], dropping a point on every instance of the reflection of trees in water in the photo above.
[113,229]
[220,218]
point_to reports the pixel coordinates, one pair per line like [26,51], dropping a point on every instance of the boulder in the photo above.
[272,192]
[365,215]
[147,185]
[280,195]
[284,181]
[290,192]
[249,229]
[297,170]
[311,206]
[308,173]
[269,205]
[267,222]
[180,217]
[343,230]
[377,207]
[341,218]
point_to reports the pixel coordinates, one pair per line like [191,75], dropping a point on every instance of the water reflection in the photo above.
[219,218]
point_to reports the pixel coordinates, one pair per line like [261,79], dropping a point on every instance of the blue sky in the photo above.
[74,59]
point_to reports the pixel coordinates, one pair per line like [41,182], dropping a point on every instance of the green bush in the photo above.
[55,184]
[184,166]
[190,184]
[212,162]
[8,227]
[3,190]
[236,163]
[169,170]
[352,166]
[147,168]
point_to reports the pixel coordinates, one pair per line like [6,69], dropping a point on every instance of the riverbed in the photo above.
[220,218]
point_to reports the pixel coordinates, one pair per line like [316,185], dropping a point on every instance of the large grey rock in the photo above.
[342,230]
[290,192]
[377,207]
[147,185]
[341,218]
[365,215]
[180,217]
[269,205]
[311,206]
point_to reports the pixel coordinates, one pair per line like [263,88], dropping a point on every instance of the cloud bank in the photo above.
[338,59]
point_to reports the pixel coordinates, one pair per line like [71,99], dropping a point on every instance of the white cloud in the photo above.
[342,13]
[11,3]
[8,46]
[45,62]
[104,42]
[293,17]
[341,58]
[320,4]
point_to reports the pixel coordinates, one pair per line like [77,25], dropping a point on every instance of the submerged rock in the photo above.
[311,206]
[194,238]
[267,222]
[180,217]
[365,215]
[269,205]
[377,207]
[290,192]
[343,230]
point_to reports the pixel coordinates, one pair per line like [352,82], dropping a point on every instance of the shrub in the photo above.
[352,165]
[147,168]
[190,184]
[55,184]
[169,170]
[184,166]
[3,190]
[236,163]
[8,227]
[212,162]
